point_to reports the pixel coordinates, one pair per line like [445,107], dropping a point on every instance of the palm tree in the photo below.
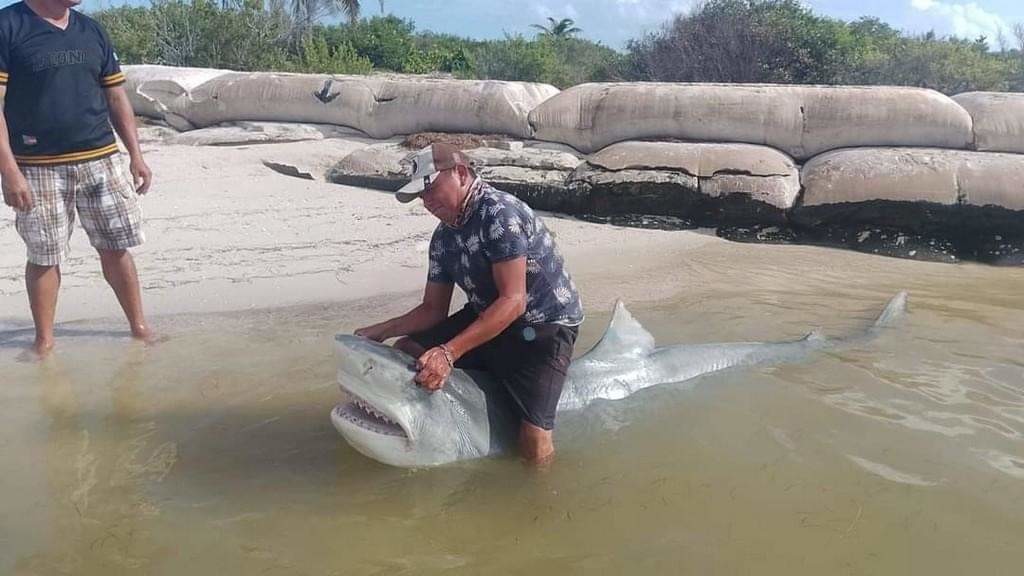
[564,28]
[307,12]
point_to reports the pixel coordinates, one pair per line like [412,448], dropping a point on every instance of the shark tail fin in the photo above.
[894,310]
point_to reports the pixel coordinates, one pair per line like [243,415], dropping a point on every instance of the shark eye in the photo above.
[368,367]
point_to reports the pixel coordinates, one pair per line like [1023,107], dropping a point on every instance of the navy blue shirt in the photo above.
[500,227]
[56,108]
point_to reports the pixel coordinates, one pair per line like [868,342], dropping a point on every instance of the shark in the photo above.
[387,417]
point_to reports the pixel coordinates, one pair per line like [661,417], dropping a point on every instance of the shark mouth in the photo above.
[364,415]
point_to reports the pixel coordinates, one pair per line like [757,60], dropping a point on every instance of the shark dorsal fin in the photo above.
[814,336]
[625,337]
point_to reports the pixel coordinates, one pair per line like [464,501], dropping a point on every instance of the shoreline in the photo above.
[226,233]
[274,241]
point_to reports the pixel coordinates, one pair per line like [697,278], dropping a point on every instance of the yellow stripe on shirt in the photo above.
[70,157]
[112,80]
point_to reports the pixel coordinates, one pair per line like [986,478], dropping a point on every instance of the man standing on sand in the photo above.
[61,87]
[523,314]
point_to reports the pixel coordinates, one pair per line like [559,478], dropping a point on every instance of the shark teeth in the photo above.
[366,416]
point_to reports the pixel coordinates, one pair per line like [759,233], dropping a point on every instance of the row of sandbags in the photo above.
[802,121]
[380,106]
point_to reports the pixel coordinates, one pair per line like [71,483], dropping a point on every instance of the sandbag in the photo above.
[800,120]
[998,120]
[916,202]
[380,106]
[945,177]
[162,92]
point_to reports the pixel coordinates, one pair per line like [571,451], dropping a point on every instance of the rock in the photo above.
[152,133]
[503,144]
[528,173]
[378,166]
[533,175]
[998,120]
[236,133]
[800,120]
[288,170]
[707,184]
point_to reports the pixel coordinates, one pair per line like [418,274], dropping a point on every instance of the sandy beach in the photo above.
[226,233]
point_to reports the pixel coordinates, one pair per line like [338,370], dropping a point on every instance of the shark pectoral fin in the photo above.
[624,337]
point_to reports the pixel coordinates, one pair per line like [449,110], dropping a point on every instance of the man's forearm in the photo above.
[416,320]
[7,162]
[123,119]
[494,320]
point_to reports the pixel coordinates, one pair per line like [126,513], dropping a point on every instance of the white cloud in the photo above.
[545,11]
[652,10]
[966,20]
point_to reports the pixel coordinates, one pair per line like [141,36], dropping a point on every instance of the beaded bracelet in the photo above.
[448,355]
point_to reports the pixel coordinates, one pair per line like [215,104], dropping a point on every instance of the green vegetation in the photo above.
[719,41]
[784,41]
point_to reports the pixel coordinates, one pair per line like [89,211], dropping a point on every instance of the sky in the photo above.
[614,22]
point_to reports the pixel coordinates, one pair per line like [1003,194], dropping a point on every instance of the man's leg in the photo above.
[43,284]
[119,270]
[46,230]
[535,444]
[534,363]
[110,212]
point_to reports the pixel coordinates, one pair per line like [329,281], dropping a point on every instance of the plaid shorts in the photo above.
[104,196]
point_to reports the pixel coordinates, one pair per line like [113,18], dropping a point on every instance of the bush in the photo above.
[515,58]
[386,41]
[132,31]
[316,56]
[783,41]
[719,41]
[243,35]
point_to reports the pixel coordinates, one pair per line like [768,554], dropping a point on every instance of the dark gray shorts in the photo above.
[531,360]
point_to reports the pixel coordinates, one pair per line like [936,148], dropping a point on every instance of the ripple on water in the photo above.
[891,473]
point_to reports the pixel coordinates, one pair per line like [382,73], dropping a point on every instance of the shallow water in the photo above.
[213,452]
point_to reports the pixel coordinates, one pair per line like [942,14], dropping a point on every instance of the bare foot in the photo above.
[41,348]
[146,336]
[541,464]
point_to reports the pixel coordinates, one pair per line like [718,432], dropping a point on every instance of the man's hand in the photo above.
[375,333]
[141,174]
[434,369]
[17,194]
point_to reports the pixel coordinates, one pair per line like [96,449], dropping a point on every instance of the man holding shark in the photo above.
[523,312]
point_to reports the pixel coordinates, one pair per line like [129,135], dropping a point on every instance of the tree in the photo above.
[306,13]
[564,28]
